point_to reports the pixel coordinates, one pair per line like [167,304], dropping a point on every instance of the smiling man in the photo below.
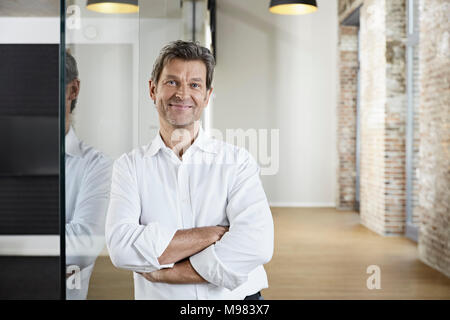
[188,214]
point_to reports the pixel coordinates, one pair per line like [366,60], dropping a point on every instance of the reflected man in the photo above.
[88,181]
[188,213]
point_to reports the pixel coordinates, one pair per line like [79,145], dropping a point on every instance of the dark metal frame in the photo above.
[412,230]
[62,149]
[212,24]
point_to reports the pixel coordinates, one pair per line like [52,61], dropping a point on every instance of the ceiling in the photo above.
[29,8]
[50,8]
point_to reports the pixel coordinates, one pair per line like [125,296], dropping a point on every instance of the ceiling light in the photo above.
[113,6]
[293,7]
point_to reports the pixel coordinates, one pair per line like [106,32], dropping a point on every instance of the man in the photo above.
[88,179]
[188,213]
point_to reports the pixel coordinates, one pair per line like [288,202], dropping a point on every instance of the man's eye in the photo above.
[171,82]
[196,84]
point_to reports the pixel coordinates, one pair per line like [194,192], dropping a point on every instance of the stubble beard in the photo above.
[187,123]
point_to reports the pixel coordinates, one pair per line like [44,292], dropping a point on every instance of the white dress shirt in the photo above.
[88,181]
[154,193]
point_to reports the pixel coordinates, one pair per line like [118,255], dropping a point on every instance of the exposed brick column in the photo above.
[373,104]
[396,106]
[383,116]
[346,113]
[434,162]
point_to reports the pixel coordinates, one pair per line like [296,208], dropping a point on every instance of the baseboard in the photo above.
[303,204]
[412,232]
[104,252]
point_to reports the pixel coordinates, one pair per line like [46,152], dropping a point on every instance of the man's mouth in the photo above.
[180,106]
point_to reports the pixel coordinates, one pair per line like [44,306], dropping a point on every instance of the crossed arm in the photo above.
[184,244]
[161,253]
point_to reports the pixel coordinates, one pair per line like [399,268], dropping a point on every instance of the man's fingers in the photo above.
[143,274]
[146,277]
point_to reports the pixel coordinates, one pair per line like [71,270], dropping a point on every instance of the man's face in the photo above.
[181,94]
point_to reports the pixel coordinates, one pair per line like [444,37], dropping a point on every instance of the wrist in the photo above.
[217,235]
[156,276]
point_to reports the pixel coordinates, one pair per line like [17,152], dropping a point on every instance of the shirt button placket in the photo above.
[183,187]
[186,211]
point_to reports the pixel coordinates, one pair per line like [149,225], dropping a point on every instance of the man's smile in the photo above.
[180,106]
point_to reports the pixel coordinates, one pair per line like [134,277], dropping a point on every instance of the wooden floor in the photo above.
[320,254]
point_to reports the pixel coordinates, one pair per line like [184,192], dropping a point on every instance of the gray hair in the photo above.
[71,73]
[186,50]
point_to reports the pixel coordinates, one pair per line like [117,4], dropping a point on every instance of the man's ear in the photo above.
[74,89]
[152,90]
[208,95]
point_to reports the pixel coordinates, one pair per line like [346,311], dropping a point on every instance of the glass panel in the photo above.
[102,60]
[109,60]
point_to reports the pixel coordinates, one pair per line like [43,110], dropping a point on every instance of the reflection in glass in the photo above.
[88,176]
[102,83]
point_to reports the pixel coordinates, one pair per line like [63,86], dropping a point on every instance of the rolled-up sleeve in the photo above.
[132,246]
[249,241]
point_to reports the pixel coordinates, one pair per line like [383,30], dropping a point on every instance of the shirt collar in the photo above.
[73,147]
[202,142]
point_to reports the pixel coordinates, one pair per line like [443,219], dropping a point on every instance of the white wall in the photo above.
[103,117]
[280,72]
[107,54]
[29,30]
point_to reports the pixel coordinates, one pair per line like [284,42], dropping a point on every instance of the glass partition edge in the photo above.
[62,171]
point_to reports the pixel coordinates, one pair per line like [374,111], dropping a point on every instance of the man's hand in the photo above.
[187,242]
[181,273]
[219,231]
[154,276]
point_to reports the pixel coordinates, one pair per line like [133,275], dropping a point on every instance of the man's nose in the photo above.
[182,91]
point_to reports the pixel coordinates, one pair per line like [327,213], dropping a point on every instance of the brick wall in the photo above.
[372,119]
[434,162]
[395,118]
[383,122]
[346,114]
[383,116]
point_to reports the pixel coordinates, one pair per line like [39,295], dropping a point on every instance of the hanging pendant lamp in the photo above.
[292,7]
[113,6]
